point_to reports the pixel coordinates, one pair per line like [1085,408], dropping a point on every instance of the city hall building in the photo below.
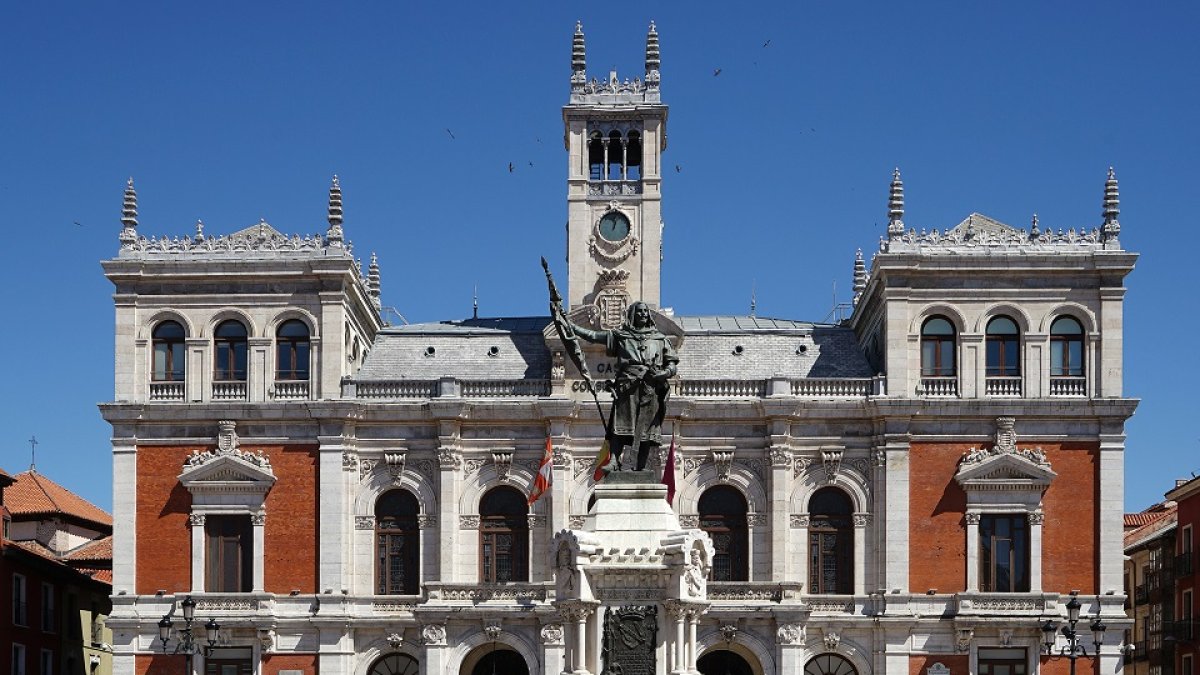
[914,490]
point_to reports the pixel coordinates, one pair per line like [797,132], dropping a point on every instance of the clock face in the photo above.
[614,226]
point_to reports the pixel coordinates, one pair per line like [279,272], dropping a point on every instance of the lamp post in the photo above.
[187,643]
[1074,648]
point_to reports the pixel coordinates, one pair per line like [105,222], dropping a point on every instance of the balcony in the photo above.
[1004,604]
[1001,387]
[722,388]
[291,390]
[1068,386]
[938,387]
[752,591]
[232,390]
[166,392]
[520,593]
[504,388]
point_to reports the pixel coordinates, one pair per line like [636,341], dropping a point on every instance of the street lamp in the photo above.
[1074,647]
[187,643]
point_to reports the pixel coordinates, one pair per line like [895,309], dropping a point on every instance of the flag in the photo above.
[668,477]
[602,460]
[545,474]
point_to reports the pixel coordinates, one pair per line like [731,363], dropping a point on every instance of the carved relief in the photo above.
[754,466]
[449,459]
[503,462]
[801,465]
[470,522]
[259,518]
[364,522]
[472,465]
[790,634]
[365,467]
[196,519]
[832,639]
[395,464]
[729,632]
[434,634]
[691,520]
[831,460]
[756,519]
[492,631]
[780,457]
[558,366]
[395,640]
[575,522]
[799,520]
[349,461]
[552,634]
[722,459]
[861,519]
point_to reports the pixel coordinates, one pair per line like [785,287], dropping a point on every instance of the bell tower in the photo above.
[615,134]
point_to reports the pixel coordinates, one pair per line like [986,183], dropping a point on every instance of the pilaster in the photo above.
[124,479]
[334,515]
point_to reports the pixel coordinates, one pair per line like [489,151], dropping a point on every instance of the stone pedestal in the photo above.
[631,555]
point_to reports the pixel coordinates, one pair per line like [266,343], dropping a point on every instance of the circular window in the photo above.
[614,226]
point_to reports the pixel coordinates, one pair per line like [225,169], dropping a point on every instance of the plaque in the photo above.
[630,640]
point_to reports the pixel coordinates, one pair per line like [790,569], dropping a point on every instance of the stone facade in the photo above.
[785,415]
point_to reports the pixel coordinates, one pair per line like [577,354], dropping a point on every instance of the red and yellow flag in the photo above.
[602,460]
[545,474]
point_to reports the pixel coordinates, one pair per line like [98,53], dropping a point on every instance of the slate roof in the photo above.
[514,348]
[33,495]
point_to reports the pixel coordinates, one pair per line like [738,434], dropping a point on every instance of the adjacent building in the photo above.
[916,489]
[55,579]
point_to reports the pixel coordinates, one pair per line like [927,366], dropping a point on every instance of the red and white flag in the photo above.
[545,474]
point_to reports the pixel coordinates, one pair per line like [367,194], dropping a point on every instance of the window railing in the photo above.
[938,387]
[229,391]
[1068,386]
[1003,386]
[166,391]
[1183,564]
[291,390]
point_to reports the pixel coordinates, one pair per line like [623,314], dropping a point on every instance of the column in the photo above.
[334,533]
[124,516]
[257,522]
[196,522]
[677,655]
[605,144]
[693,620]
[799,523]
[781,466]
[449,461]
[1035,549]
[624,159]
[972,521]
[575,614]
[259,373]
[861,522]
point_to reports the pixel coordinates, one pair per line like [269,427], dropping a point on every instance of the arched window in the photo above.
[829,664]
[504,661]
[168,344]
[230,351]
[1003,348]
[723,517]
[616,155]
[395,664]
[1066,347]
[937,348]
[397,544]
[503,536]
[595,156]
[291,349]
[830,543]
[633,156]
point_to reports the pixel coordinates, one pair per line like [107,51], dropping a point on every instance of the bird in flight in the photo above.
[451,134]
[677,169]
[78,223]
[766,43]
[510,167]
[716,72]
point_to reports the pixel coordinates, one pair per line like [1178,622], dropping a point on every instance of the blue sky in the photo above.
[234,113]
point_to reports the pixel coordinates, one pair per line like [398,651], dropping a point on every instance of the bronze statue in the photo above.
[645,362]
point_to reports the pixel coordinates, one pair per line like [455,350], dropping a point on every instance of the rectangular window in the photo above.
[20,610]
[1185,665]
[48,623]
[1004,553]
[18,659]
[996,661]
[1186,629]
[228,550]
[47,662]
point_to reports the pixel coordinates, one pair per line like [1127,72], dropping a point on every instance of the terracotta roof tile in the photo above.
[35,495]
[1140,519]
[1161,521]
[100,549]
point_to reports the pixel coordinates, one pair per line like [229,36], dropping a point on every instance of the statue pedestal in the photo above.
[631,576]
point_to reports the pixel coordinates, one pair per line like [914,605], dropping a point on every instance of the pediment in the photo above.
[227,469]
[1021,469]
[981,224]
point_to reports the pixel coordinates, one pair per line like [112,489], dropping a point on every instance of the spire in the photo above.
[896,207]
[578,59]
[475,302]
[860,275]
[652,57]
[753,291]
[129,221]
[333,235]
[373,281]
[1112,208]
[1034,230]
[199,230]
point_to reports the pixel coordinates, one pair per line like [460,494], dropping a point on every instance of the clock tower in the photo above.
[615,134]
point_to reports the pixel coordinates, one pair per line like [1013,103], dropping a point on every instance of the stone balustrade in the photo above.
[1068,386]
[291,390]
[166,392]
[938,387]
[1003,386]
[229,391]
